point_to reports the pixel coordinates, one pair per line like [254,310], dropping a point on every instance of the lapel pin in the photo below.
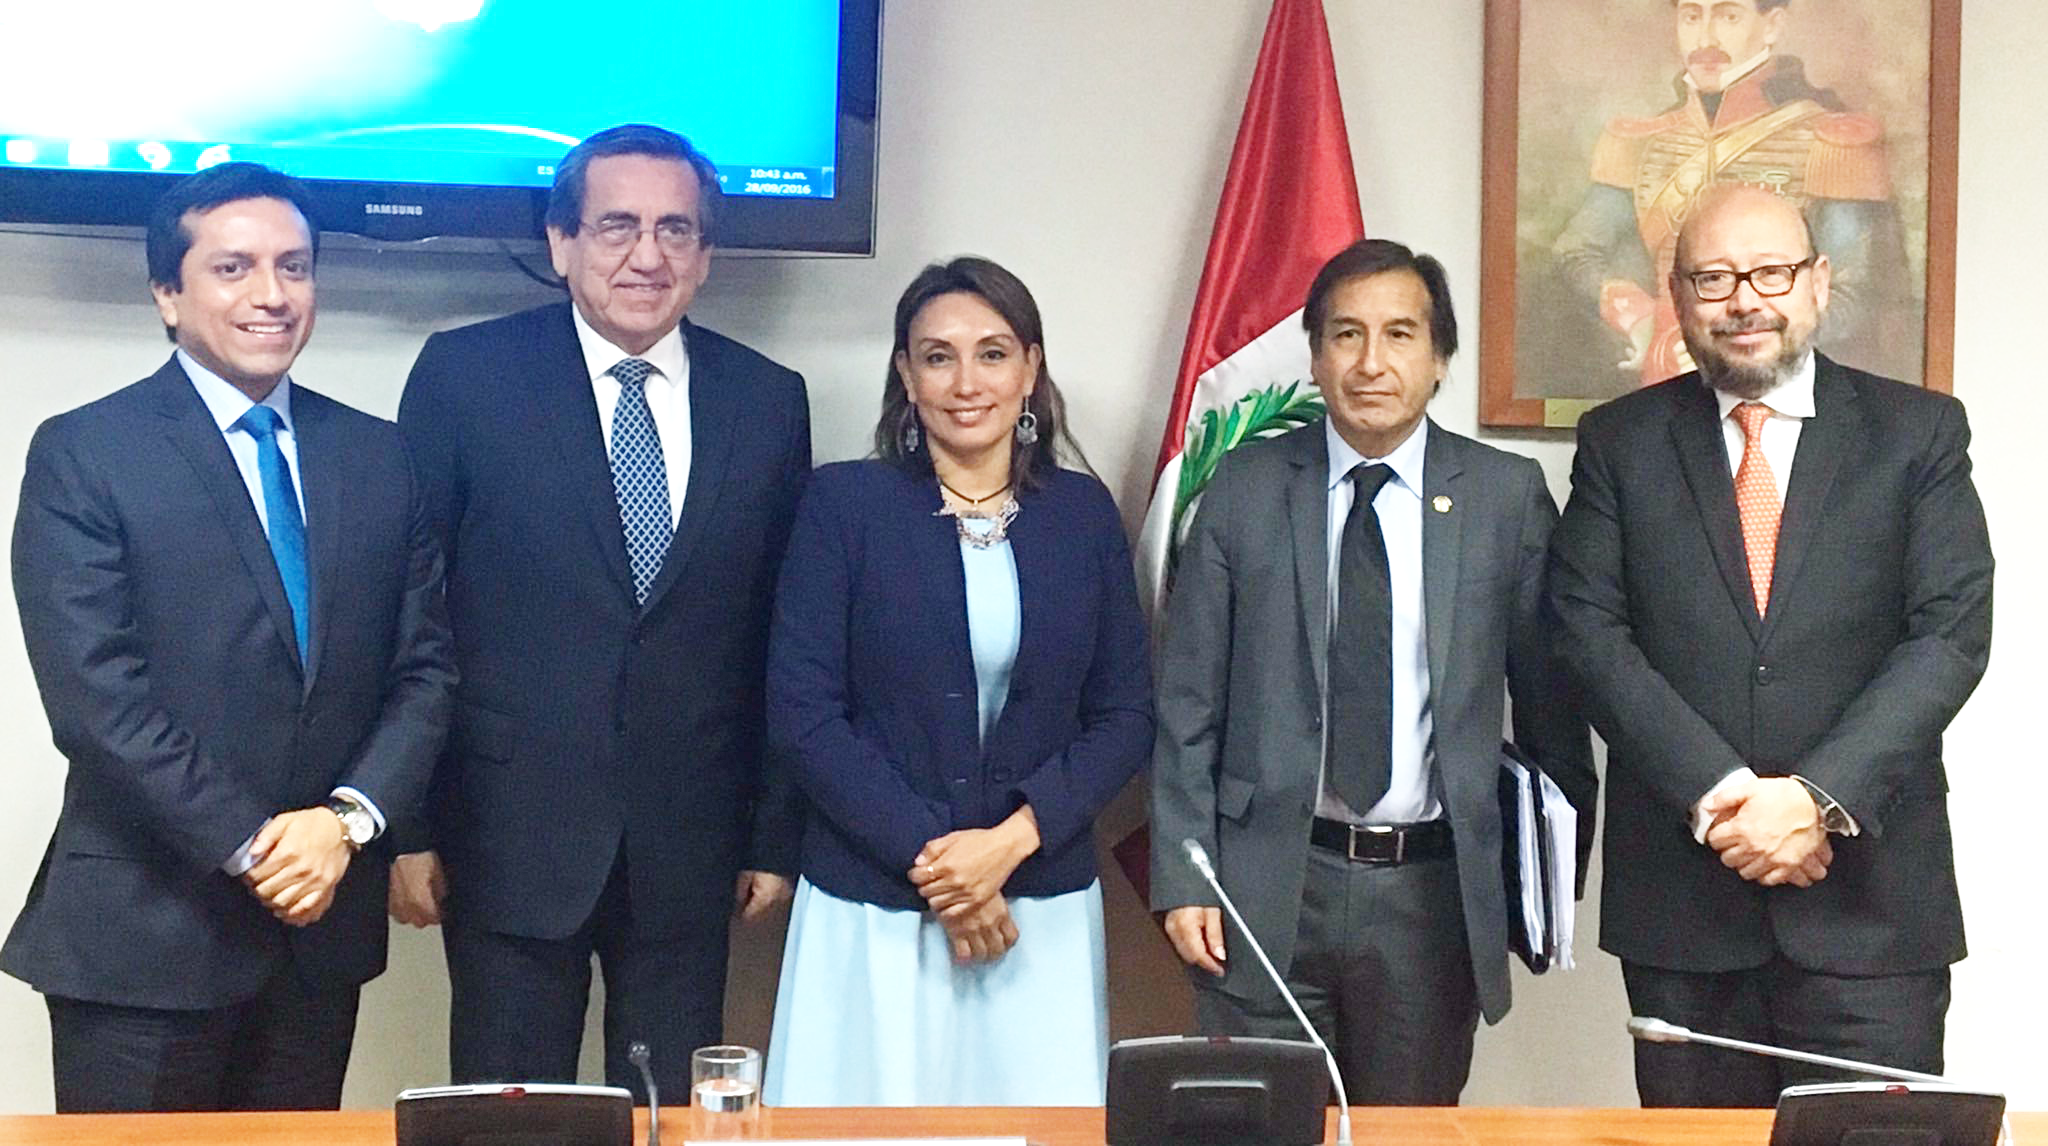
[1441,503]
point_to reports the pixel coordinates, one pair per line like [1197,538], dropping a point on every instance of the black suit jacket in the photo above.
[1878,628]
[585,724]
[158,630]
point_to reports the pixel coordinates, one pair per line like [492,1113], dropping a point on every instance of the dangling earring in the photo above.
[912,438]
[1027,428]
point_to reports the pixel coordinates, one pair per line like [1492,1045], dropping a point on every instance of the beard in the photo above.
[1748,379]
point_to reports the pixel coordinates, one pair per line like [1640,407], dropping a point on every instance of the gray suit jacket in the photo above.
[1242,668]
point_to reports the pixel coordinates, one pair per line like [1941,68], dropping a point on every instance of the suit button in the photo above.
[619,726]
[1315,724]
[1764,675]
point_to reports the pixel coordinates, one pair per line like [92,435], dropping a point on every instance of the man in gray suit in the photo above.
[1346,605]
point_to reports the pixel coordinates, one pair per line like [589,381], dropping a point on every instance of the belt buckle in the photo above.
[1400,843]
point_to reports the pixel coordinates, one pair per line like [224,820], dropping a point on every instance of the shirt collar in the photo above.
[1733,75]
[227,404]
[599,356]
[1405,460]
[1792,398]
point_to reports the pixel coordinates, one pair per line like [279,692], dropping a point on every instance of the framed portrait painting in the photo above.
[1605,120]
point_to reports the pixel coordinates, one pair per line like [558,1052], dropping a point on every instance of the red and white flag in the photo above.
[1290,201]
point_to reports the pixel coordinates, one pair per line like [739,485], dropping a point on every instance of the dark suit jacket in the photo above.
[161,641]
[872,685]
[1878,628]
[585,724]
[1245,652]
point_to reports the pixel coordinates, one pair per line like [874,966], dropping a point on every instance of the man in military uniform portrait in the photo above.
[1745,113]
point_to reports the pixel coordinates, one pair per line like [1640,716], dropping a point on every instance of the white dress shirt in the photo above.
[1411,790]
[1790,403]
[228,405]
[668,399]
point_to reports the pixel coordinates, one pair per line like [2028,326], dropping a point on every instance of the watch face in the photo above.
[360,826]
[356,822]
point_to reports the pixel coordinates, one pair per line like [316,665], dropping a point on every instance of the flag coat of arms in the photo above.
[1290,201]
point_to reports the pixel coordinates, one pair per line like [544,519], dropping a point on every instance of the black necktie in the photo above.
[1361,664]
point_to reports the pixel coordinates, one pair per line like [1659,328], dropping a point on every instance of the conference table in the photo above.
[1371,1126]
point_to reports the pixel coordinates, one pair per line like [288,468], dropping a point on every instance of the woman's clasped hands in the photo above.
[961,876]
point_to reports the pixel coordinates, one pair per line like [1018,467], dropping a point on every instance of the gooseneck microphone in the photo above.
[1200,859]
[1651,1030]
[639,1056]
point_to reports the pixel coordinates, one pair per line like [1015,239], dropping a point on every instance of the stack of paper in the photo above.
[1539,863]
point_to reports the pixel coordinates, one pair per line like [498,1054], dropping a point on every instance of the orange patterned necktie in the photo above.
[1756,500]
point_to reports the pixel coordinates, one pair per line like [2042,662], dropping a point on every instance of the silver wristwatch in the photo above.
[358,827]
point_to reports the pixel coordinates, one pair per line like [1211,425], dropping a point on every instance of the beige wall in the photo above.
[1083,143]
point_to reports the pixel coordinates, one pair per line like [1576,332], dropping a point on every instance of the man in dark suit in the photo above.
[1345,608]
[615,487]
[1774,580]
[232,605]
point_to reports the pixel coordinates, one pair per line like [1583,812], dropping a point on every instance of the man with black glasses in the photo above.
[1774,581]
[615,486]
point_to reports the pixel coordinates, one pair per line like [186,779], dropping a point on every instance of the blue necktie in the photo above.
[639,476]
[281,514]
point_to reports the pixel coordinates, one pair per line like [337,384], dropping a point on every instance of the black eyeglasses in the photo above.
[1768,281]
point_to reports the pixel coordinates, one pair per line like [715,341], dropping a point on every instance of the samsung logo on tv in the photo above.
[393,209]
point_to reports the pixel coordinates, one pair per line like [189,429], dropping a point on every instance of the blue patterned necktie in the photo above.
[281,514]
[639,476]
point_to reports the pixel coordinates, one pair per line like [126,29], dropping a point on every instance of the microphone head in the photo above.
[1651,1030]
[638,1055]
[1198,856]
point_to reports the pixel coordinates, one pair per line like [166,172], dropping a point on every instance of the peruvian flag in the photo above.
[1289,202]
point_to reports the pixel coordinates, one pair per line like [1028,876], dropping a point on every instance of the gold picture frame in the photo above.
[1599,127]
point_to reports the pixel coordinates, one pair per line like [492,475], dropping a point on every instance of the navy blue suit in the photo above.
[163,646]
[607,759]
[871,684]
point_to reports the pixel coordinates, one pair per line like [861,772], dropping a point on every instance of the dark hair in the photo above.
[167,241]
[1378,256]
[565,201]
[1007,295]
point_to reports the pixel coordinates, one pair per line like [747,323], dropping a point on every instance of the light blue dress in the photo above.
[872,1010]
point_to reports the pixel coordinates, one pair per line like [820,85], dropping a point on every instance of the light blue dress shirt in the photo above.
[228,405]
[1411,791]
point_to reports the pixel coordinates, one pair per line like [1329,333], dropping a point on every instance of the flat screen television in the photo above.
[417,119]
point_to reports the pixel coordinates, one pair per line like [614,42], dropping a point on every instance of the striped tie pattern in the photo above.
[1756,501]
[640,476]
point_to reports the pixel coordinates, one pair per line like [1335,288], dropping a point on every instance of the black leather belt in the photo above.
[1383,843]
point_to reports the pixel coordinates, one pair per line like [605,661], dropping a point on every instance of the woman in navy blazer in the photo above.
[958,671]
